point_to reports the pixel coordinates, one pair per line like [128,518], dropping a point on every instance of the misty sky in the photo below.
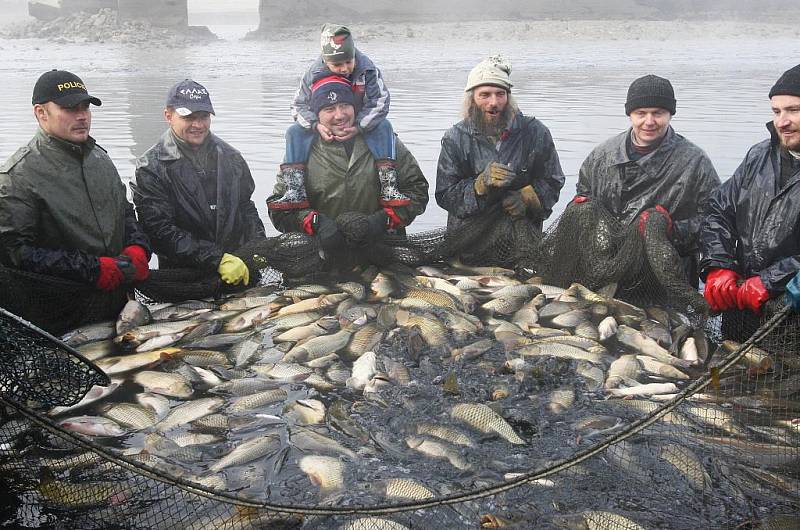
[197,6]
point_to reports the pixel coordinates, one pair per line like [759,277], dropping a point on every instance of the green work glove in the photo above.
[495,175]
[232,270]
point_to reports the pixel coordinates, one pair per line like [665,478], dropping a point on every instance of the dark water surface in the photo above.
[576,88]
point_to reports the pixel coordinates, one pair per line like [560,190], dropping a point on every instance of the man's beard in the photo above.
[794,146]
[493,127]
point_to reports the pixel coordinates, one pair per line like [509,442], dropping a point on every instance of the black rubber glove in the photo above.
[327,231]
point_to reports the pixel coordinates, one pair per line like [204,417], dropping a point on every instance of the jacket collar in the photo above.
[78,150]
[773,134]
[168,148]
[619,154]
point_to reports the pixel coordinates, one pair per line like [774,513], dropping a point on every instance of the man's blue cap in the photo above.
[189,96]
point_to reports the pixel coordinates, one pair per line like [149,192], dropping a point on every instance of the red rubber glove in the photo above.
[721,289]
[110,276]
[308,222]
[580,199]
[751,295]
[645,214]
[394,220]
[139,259]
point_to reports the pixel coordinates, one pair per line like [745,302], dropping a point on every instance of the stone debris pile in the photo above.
[104,26]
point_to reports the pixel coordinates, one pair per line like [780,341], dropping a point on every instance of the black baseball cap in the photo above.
[63,88]
[189,96]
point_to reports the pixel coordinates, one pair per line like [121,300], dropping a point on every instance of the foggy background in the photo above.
[209,12]
[571,74]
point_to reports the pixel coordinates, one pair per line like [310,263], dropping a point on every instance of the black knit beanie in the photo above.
[788,84]
[650,91]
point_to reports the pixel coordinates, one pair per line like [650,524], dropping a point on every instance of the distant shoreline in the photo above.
[504,30]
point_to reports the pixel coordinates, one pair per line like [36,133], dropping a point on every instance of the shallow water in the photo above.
[576,88]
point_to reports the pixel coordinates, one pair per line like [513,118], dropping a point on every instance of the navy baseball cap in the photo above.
[63,88]
[189,96]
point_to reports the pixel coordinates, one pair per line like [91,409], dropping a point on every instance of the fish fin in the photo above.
[608,291]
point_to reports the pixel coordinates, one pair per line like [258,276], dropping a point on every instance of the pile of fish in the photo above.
[404,385]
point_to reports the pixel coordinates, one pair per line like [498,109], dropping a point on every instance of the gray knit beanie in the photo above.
[788,84]
[650,91]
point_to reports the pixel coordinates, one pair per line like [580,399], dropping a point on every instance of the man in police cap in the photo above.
[63,209]
[192,191]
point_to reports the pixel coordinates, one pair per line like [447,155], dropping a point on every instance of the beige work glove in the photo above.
[496,175]
[519,203]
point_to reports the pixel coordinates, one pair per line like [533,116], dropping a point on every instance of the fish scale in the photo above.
[243,387]
[364,339]
[204,358]
[560,350]
[307,440]
[434,333]
[284,322]
[687,464]
[287,371]
[190,411]
[168,384]
[444,433]
[484,419]
[247,451]
[259,399]
[406,488]
[437,450]
[132,416]
[319,346]
[433,296]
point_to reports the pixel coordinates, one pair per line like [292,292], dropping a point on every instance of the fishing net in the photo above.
[721,452]
[588,245]
[56,304]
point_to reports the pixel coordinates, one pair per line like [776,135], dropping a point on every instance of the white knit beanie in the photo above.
[494,70]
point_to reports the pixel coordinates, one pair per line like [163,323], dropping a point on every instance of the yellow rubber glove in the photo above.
[232,270]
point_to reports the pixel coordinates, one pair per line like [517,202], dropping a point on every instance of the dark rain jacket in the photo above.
[173,208]
[372,96]
[528,149]
[336,184]
[62,206]
[752,226]
[678,175]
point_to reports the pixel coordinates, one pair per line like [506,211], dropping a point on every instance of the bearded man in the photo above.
[750,240]
[496,154]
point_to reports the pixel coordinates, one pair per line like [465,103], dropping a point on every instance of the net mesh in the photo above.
[723,450]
